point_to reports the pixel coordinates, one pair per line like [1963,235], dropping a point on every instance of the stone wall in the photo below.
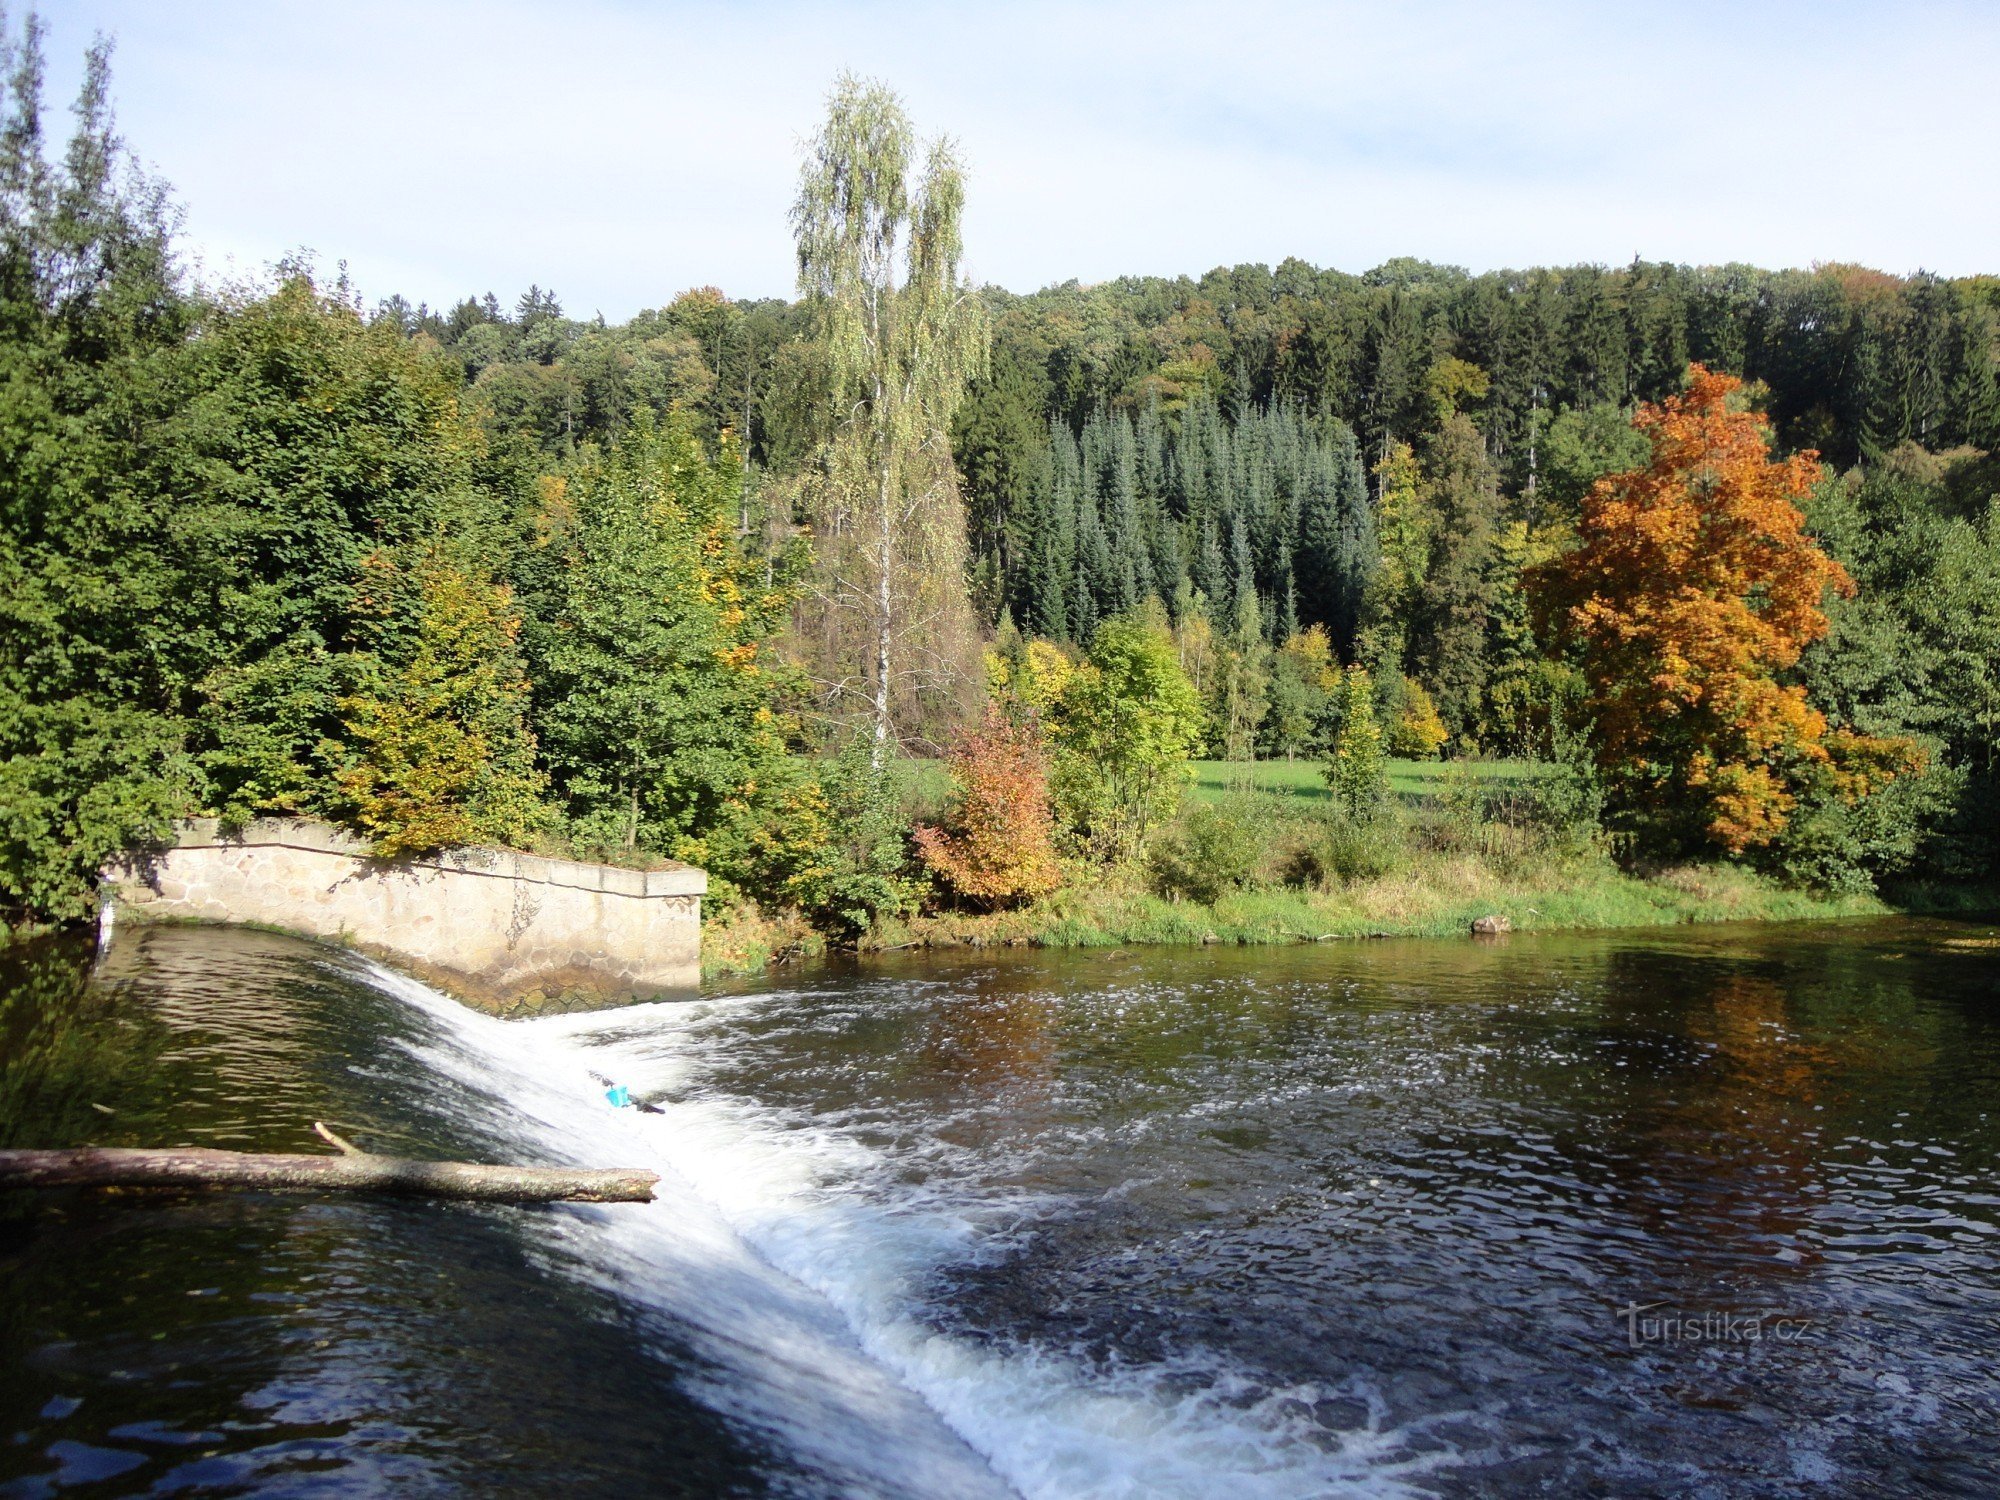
[511,931]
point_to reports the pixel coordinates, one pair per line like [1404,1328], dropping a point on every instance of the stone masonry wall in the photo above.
[494,926]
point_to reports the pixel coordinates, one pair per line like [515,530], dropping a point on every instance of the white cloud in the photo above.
[623,151]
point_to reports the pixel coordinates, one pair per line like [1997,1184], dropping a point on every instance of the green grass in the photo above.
[926,782]
[1215,780]
[1449,862]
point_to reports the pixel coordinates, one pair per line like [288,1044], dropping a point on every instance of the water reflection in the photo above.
[226,1343]
[1349,1219]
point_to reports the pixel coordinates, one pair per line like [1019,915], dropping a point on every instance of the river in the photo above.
[1692,1212]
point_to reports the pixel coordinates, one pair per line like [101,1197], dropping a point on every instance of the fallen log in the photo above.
[353,1171]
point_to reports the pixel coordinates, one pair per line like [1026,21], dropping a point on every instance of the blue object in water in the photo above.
[619,1095]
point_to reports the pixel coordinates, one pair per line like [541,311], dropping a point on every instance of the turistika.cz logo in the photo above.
[1645,1324]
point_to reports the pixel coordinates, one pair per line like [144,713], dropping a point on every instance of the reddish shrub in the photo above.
[999,849]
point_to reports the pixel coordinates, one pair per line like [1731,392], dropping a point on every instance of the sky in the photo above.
[621,151]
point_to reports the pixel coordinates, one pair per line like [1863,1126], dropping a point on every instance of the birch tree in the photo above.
[897,334]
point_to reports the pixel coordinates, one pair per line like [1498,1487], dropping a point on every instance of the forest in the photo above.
[1710,554]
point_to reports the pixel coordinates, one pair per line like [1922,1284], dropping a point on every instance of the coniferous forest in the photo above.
[708,584]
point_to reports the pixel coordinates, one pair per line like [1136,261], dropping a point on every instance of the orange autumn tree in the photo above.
[1001,849]
[1694,587]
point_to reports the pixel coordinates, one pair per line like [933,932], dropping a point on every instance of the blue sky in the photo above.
[621,151]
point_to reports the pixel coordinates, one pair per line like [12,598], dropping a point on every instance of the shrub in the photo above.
[1868,816]
[1340,850]
[1204,856]
[1469,815]
[1568,793]
[1000,849]
[837,850]
[1416,732]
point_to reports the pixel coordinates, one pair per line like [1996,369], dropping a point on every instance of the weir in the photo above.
[506,931]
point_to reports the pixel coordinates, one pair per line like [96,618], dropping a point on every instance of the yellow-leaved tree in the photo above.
[438,748]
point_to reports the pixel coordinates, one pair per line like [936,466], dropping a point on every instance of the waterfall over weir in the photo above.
[793,1369]
[803,1290]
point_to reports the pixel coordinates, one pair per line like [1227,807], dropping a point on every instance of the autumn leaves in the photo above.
[1693,587]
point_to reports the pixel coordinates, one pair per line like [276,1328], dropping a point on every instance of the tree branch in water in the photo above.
[354,1171]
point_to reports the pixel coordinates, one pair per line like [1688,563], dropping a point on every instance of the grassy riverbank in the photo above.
[1259,855]
[1442,899]
[1305,779]
[1439,900]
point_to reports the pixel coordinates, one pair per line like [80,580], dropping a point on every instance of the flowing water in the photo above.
[1703,1212]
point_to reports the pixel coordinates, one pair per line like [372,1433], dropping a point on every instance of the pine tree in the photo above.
[1358,545]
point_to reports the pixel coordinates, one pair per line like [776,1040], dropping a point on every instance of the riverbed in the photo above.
[1684,1212]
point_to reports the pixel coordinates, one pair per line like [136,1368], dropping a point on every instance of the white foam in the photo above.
[833,1354]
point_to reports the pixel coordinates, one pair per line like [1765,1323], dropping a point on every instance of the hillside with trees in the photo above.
[1715,549]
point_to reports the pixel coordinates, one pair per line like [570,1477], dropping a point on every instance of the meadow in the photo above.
[926,784]
[1409,780]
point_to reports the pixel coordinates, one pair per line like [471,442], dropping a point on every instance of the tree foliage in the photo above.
[657,685]
[1915,652]
[440,752]
[499,572]
[999,847]
[1695,586]
[1126,724]
[897,335]
[1356,773]
[93,746]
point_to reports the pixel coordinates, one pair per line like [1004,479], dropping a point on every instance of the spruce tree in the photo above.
[1456,596]
[1357,774]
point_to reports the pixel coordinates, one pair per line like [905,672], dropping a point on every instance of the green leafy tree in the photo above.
[1577,449]
[997,436]
[305,461]
[1124,730]
[1243,682]
[93,751]
[656,684]
[1916,651]
[1302,670]
[440,752]
[1404,527]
